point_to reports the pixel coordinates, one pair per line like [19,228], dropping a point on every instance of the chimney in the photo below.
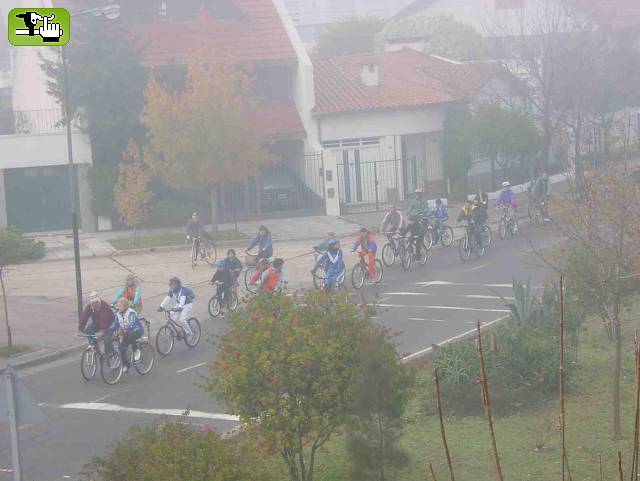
[370,74]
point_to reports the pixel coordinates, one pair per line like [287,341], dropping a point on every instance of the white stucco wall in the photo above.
[381,123]
[34,150]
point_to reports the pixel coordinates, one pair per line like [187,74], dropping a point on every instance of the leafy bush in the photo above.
[178,451]
[15,248]
[171,212]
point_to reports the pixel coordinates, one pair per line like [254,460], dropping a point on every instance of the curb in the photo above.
[42,356]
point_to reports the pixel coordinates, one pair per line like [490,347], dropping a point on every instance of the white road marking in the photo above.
[200,364]
[429,320]
[481,266]
[405,294]
[445,308]
[6,470]
[480,296]
[158,412]
[447,283]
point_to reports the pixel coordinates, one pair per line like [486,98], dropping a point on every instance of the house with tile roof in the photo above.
[380,118]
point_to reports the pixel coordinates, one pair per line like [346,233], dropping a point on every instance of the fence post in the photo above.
[375,182]
[13,422]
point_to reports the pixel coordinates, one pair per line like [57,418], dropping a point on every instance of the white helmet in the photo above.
[506,183]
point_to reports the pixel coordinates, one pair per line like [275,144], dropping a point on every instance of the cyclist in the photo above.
[416,234]
[483,205]
[131,292]
[507,197]
[130,328]
[440,216]
[183,303]
[473,215]
[323,245]
[195,230]
[101,316]
[225,279]
[233,264]
[540,192]
[366,241]
[418,205]
[392,221]
[263,265]
[264,242]
[271,279]
[333,259]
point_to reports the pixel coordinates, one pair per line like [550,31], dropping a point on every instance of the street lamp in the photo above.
[110,12]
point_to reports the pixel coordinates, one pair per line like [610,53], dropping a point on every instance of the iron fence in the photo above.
[367,186]
[31,121]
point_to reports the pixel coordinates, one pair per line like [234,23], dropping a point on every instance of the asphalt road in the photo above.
[423,306]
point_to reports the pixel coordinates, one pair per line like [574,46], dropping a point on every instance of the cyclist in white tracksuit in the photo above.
[183,303]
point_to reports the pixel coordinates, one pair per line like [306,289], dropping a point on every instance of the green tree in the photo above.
[447,37]
[179,452]
[106,92]
[203,135]
[350,37]
[380,397]
[131,192]
[505,137]
[287,367]
[14,248]
[457,143]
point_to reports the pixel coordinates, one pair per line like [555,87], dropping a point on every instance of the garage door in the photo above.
[38,198]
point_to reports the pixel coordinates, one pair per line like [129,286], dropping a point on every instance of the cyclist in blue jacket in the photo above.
[333,260]
[130,328]
[264,242]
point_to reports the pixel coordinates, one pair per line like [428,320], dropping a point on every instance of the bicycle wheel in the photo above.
[318,277]
[194,325]
[147,327]
[486,236]
[357,276]
[513,225]
[502,228]
[388,254]
[478,249]
[111,368]
[446,236]
[407,257]
[214,306]
[89,363]
[424,255]
[248,274]
[165,338]
[194,255]
[379,271]
[211,254]
[464,249]
[531,210]
[147,358]
[233,302]
[428,239]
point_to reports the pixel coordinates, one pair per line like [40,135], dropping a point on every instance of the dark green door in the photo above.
[38,198]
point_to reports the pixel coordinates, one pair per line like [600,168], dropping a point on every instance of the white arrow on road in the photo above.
[445,308]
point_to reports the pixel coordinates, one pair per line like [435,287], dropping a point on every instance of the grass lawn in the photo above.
[518,436]
[169,239]
[15,350]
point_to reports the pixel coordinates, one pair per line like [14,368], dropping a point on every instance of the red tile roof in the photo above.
[258,36]
[408,78]
[279,120]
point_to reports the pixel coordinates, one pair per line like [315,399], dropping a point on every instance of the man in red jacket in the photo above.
[101,316]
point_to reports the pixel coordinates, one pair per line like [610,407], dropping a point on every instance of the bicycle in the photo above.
[508,223]
[321,268]
[214,306]
[321,279]
[167,334]
[205,248]
[91,356]
[391,250]
[469,244]
[145,363]
[444,235]
[360,273]
[426,221]
[536,210]
[252,267]
[408,253]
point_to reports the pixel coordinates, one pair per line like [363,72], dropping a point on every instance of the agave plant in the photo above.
[526,306]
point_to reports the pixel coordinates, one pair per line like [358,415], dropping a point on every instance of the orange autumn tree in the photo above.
[131,192]
[203,135]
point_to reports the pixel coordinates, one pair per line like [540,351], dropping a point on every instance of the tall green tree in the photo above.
[106,92]
[288,368]
[350,37]
[457,145]
[447,36]
[204,134]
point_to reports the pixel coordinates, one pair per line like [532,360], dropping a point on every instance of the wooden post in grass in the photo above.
[636,427]
[563,447]
[433,473]
[620,472]
[486,402]
[600,466]
[442,432]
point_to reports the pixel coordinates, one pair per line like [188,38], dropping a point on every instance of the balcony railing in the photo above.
[31,121]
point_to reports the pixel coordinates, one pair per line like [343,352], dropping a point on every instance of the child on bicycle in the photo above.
[416,234]
[131,292]
[472,213]
[263,265]
[130,329]
[224,278]
[323,245]
[366,242]
[233,264]
[440,216]
[183,298]
[271,280]
[264,242]
[333,259]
